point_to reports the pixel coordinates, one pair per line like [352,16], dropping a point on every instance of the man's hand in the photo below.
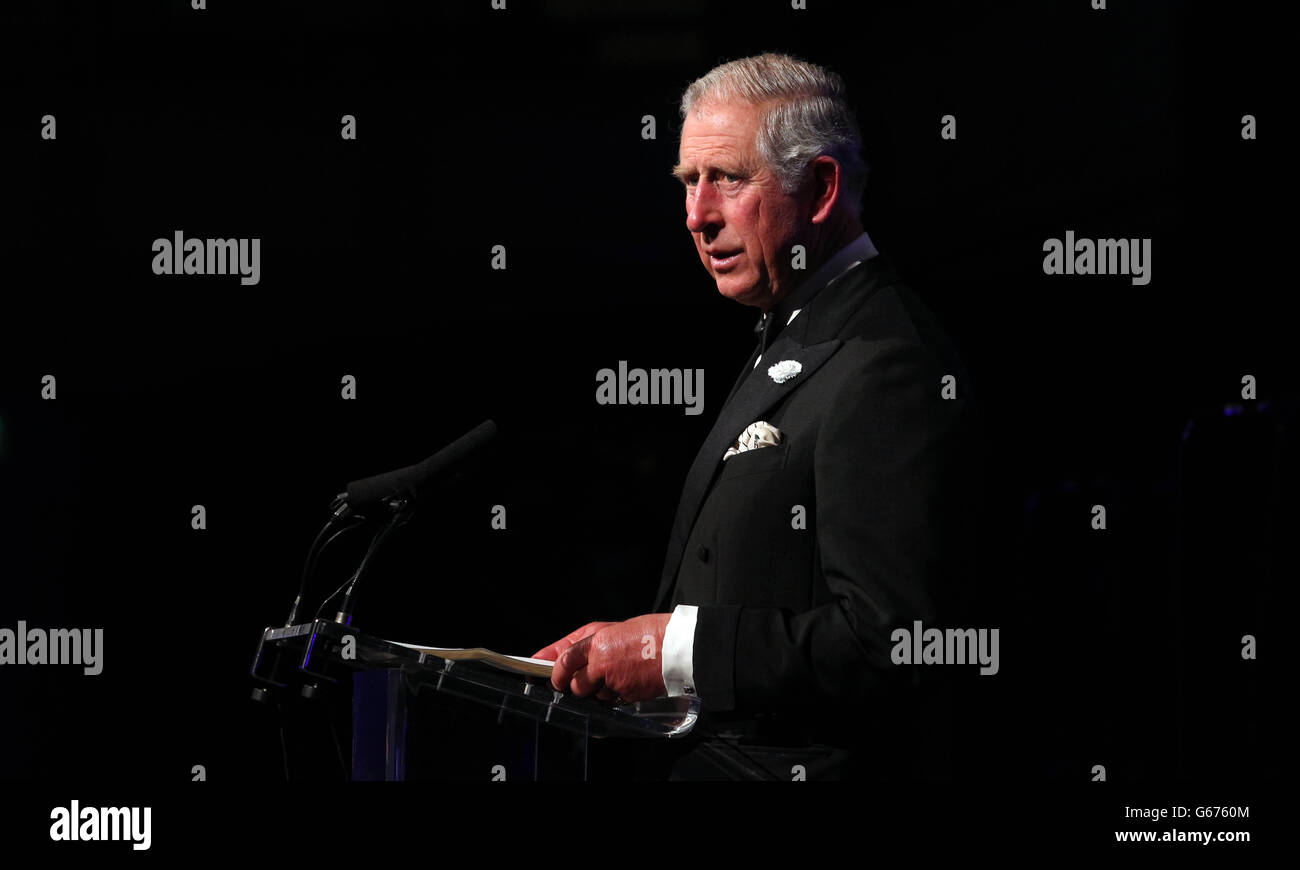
[552,652]
[612,659]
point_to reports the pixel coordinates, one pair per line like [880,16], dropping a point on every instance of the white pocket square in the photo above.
[756,435]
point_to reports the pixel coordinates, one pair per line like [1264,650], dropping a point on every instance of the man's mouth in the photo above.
[720,261]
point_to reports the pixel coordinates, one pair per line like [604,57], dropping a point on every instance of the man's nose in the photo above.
[702,210]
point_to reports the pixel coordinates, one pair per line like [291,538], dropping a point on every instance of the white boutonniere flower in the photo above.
[784,370]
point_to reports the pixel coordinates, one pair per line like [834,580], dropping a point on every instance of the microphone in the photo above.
[398,491]
[405,484]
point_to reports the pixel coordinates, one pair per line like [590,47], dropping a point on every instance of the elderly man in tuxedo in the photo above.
[828,506]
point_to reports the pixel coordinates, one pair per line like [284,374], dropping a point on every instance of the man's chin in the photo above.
[744,294]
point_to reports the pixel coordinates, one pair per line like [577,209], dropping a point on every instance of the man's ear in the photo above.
[827,185]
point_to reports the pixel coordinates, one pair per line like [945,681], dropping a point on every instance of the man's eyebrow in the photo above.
[682,170]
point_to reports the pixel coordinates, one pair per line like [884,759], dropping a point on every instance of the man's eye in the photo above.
[729,177]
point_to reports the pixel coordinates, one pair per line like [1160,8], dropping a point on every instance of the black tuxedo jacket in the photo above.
[796,622]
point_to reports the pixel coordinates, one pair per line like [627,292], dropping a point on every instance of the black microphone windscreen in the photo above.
[407,482]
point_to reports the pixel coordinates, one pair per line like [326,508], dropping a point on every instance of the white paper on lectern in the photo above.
[526,659]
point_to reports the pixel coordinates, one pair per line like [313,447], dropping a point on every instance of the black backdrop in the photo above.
[523,128]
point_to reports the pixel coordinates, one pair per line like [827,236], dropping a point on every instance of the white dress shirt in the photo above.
[679,637]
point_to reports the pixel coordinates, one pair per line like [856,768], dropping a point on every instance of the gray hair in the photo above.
[803,115]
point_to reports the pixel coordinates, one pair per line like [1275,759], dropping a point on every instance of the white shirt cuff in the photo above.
[679,650]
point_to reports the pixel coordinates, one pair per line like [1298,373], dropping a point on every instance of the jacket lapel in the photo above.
[744,373]
[754,397]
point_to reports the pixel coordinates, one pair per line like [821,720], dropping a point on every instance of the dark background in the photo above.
[476,128]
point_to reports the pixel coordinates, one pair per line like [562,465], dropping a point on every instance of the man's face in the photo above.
[743,225]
